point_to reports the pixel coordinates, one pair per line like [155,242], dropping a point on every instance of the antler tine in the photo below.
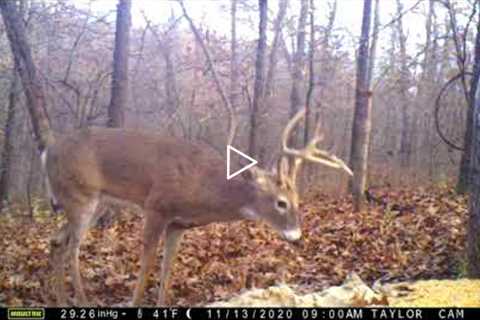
[310,152]
[316,152]
[297,163]
[289,127]
[317,135]
[283,165]
[283,168]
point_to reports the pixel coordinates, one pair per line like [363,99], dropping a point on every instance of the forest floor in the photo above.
[408,234]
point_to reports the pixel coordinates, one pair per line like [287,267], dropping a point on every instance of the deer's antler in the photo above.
[309,153]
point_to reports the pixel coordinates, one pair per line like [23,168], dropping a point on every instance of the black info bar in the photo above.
[240,313]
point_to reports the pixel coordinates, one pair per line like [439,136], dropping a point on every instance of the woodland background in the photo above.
[409,103]
[171,89]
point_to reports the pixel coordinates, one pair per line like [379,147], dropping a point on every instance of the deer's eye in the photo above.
[282,205]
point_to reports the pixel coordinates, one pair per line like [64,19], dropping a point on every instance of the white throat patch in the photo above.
[293,234]
[248,213]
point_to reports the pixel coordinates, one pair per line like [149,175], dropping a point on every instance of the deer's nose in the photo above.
[293,234]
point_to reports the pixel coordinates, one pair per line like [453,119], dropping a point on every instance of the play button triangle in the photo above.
[252,162]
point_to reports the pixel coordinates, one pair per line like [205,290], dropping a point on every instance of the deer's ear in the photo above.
[247,175]
[251,174]
[258,176]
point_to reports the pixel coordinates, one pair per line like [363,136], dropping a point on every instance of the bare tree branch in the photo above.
[232,125]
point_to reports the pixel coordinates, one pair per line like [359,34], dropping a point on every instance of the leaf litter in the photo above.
[413,234]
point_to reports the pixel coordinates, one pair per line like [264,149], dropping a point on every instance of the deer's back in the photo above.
[131,165]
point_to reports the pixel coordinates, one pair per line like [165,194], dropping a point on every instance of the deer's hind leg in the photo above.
[173,237]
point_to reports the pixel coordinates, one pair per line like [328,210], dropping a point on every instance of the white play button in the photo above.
[248,166]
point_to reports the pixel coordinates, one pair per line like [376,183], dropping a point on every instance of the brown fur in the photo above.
[179,184]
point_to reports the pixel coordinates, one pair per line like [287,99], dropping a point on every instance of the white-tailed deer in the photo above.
[179,185]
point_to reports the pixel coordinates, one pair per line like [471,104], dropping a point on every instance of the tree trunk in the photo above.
[32,84]
[234,92]
[405,145]
[422,117]
[297,96]
[119,96]
[168,49]
[277,34]
[119,90]
[464,171]
[473,228]
[8,136]
[170,81]
[464,174]
[361,118]
[258,96]
[311,76]
[232,124]
[373,47]
[324,73]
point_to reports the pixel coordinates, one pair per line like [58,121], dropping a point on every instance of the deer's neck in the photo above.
[237,195]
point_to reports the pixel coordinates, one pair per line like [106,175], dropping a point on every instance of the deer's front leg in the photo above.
[154,226]
[58,252]
[173,236]
[82,216]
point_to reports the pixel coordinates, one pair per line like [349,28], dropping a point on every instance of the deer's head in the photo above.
[276,196]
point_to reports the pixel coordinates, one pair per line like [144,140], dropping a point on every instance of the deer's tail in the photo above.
[53,201]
